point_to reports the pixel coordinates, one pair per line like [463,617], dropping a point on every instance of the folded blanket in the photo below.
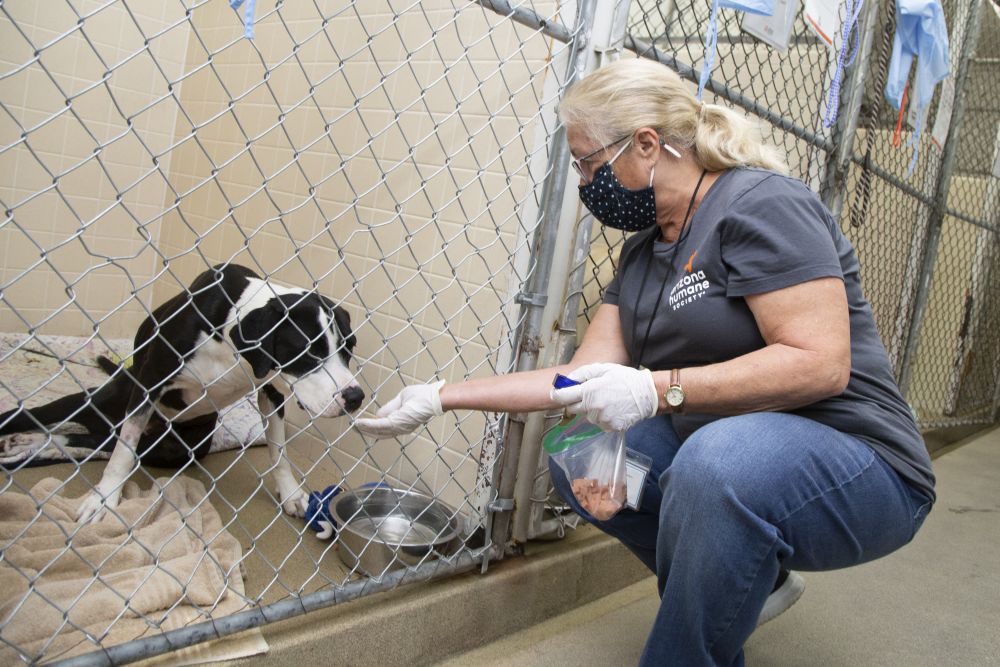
[164,561]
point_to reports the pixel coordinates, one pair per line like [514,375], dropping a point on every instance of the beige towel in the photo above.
[163,562]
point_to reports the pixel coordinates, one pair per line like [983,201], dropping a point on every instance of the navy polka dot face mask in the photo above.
[616,206]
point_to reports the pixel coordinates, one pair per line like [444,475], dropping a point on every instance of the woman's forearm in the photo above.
[774,378]
[528,391]
[515,392]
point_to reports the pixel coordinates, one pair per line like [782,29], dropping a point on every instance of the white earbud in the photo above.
[673,151]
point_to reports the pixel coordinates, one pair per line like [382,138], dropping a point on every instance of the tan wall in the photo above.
[885,231]
[65,223]
[888,243]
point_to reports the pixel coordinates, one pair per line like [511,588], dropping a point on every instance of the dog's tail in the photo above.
[96,408]
[23,419]
[20,420]
[106,365]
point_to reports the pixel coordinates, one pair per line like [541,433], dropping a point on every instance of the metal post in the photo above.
[937,216]
[533,298]
[525,16]
[564,345]
[607,26]
[833,188]
[896,339]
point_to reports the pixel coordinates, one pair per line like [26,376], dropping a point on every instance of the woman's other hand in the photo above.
[612,396]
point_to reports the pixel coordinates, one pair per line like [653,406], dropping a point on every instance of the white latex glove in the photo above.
[612,396]
[409,410]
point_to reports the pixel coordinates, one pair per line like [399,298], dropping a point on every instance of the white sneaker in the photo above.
[782,597]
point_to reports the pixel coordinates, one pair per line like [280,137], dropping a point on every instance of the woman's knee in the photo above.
[733,455]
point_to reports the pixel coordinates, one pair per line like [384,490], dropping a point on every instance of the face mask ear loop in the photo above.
[619,153]
[651,172]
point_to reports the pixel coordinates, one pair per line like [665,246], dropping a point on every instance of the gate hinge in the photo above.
[501,505]
[531,298]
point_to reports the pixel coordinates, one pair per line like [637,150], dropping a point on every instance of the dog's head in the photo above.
[308,341]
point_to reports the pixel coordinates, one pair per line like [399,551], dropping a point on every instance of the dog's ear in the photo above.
[343,320]
[253,337]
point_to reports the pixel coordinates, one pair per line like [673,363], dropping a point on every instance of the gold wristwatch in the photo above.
[674,395]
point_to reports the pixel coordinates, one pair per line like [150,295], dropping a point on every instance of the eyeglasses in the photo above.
[578,163]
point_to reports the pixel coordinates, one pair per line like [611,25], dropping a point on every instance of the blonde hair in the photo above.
[628,94]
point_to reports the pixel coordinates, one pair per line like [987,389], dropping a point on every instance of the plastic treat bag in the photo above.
[594,463]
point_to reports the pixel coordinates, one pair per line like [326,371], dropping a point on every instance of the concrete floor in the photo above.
[934,602]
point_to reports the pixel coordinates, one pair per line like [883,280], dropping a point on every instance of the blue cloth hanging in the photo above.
[763,7]
[921,33]
[853,11]
[247,15]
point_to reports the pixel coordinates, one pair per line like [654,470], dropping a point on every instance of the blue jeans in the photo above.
[742,498]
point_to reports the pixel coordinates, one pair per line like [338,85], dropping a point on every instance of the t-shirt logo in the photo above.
[688,268]
[692,286]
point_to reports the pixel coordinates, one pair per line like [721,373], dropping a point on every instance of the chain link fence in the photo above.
[387,155]
[403,160]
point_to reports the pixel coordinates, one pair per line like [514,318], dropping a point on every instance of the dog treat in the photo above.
[600,500]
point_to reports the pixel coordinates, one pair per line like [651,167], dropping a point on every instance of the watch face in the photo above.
[675,396]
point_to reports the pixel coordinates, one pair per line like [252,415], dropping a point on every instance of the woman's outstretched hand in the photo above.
[612,396]
[413,407]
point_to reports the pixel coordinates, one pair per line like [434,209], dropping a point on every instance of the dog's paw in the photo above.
[294,502]
[94,505]
[18,446]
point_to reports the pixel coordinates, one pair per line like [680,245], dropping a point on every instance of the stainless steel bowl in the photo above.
[382,528]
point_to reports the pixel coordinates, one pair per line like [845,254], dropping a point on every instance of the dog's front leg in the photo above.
[108,491]
[294,501]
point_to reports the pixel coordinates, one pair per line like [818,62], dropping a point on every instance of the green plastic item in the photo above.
[579,431]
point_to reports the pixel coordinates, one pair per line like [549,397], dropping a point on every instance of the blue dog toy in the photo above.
[318,514]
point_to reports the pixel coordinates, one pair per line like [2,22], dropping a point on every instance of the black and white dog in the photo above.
[230,334]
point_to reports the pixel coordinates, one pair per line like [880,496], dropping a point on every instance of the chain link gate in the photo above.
[403,158]
[389,155]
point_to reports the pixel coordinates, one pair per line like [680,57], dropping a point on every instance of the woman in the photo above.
[735,346]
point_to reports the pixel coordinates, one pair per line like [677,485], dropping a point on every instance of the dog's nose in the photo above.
[353,396]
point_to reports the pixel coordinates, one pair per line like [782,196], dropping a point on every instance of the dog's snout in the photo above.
[353,396]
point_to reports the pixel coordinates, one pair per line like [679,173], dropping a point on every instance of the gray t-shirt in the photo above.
[755,232]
